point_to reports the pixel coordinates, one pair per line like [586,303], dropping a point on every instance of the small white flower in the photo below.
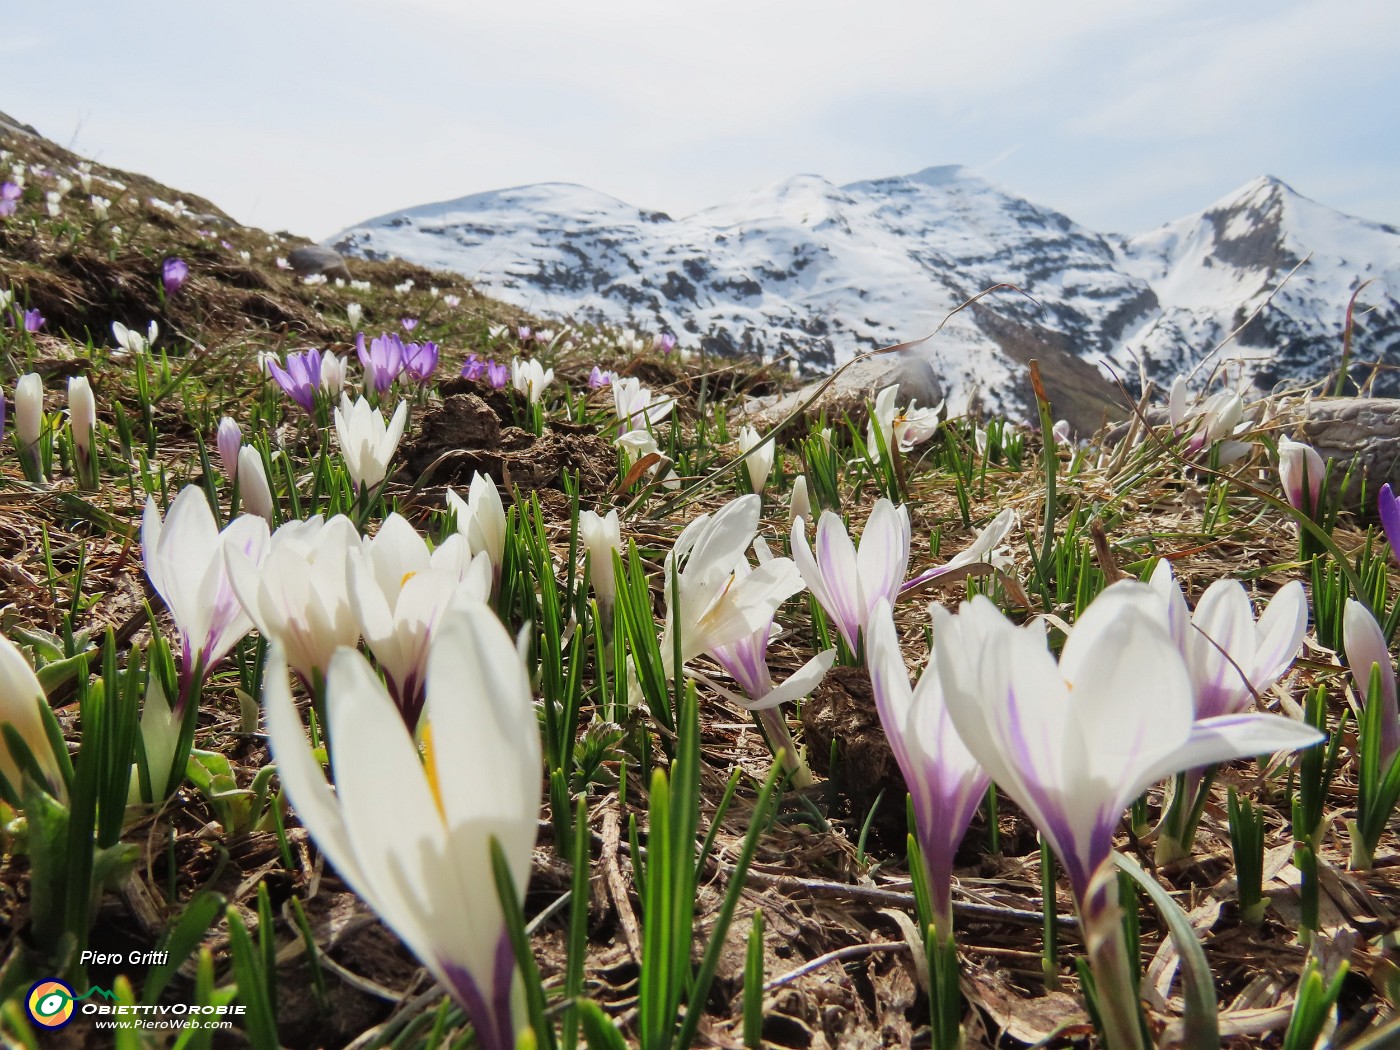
[601,536]
[529,377]
[367,442]
[481,519]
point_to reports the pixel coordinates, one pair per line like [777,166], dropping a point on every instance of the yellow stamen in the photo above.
[406,577]
[430,767]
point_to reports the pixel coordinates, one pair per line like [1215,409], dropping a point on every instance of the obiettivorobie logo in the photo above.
[53,1003]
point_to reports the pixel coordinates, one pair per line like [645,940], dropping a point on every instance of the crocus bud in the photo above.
[29,409]
[601,536]
[230,440]
[82,419]
[799,503]
[253,489]
[1300,471]
[333,370]
[82,412]
[1365,648]
[29,425]
[354,313]
[759,461]
[174,274]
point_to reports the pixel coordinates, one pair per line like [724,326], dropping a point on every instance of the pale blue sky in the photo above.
[311,115]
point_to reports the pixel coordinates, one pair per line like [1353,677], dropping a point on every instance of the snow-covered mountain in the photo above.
[1211,272]
[821,272]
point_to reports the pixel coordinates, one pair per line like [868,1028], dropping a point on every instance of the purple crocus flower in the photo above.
[474,368]
[497,374]
[301,378]
[1390,519]
[382,361]
[32,320]
[9,197]
[174,273]
[409,323]
[665,342]
[524,333]
[597,379]
[420,361]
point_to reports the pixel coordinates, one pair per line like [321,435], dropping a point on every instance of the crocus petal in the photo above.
[799,684]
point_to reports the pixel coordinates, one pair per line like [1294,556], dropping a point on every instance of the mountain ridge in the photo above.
[806,269]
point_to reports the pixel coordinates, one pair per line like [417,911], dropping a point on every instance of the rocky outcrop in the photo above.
[315,259]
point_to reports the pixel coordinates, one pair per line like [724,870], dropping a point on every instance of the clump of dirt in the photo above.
[842,710]
[468,433]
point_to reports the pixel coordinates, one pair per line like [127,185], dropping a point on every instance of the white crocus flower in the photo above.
[354,313]
[129,339]
[20,698]
[367,443]
[638,444]
[529,378]
[334,370]
[101,207]
[1230,657]
[746,661]
[184,558]
[708,601]
[299,596]
[1074,743]
[481,520]
[635,405]
[400,592]
[902,430]
[601,536]
[945,782]
[410,833]
[760,460]
[916,425]
[847,583]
